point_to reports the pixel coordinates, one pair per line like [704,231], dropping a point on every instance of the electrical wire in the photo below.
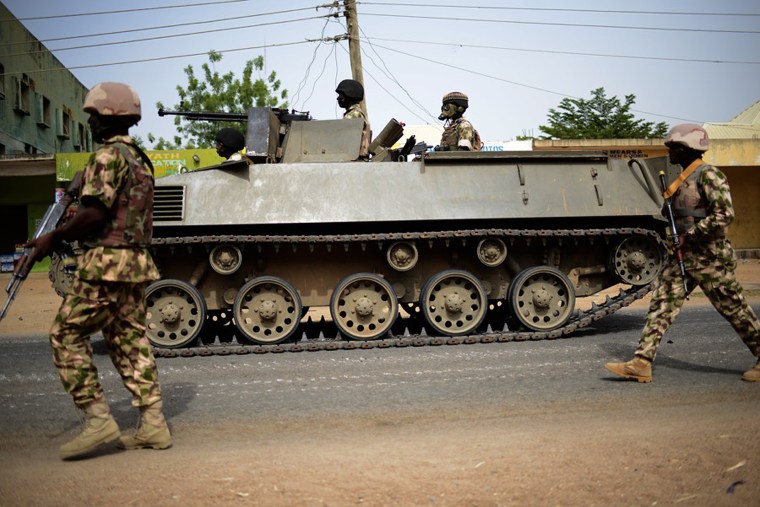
[155,59]
[572,25]
[160,27]
[386,90]
[297,95]
[549,9]
[321,73]
[388,74]
[162,37]
[572,53]
[123,11]
[523,85]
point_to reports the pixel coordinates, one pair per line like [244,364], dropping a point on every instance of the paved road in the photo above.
[704,360]
[537,423]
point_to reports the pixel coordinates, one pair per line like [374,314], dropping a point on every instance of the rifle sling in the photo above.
[681,178]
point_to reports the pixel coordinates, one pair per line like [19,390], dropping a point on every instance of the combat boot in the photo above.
[752,375]
[153,432]
[100,428]
[638,368]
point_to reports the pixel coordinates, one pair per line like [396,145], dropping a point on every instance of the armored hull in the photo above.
[453,247]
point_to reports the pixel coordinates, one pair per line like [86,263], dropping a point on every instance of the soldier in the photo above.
[114,222]
[350,94]
[458,132]
[703,210]
[229,142]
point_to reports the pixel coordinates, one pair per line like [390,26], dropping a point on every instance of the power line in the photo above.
[537,88]
[548,9]
[156,59]
[574,25]
[302,84]
[386,91]
[123,11]
[393,78]
[572,53]
[160,37]
[161,27]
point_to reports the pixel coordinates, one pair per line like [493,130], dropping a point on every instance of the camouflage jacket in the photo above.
[707,188]
[106,178]
[460,134]
[355,111]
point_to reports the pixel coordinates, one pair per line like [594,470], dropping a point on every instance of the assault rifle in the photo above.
[49,222]
[673,232]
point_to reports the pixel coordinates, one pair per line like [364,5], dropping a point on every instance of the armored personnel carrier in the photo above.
[304,247]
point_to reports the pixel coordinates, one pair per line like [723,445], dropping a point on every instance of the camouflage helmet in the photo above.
[690,135]
[351,89]
[231,138]
[113,99]
[458,98]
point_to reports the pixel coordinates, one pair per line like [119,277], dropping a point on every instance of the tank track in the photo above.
[579,320]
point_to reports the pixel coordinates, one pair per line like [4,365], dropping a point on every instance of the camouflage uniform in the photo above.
[709,260]
[108,292]
[460,134]
[355,111]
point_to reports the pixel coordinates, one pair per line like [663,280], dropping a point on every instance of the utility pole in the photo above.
[354,52]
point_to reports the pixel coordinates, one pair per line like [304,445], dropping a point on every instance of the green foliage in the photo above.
[599,118]
[214,92]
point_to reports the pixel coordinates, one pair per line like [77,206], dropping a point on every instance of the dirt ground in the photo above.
[590,455]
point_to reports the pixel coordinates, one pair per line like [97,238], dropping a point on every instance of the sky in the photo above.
[684,60]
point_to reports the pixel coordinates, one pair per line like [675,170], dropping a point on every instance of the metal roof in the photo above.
[746,125]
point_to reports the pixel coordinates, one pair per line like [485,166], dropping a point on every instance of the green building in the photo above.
[40,115]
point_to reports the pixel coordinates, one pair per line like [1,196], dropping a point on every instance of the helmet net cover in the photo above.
[690,135]
[113,99]
[458,98]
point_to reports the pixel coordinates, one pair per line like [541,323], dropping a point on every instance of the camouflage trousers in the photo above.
[118,310]
[714,274]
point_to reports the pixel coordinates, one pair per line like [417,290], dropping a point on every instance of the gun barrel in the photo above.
[12,289]
[198,115]
[674,234]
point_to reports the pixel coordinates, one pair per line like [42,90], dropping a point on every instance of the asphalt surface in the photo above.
[701,359]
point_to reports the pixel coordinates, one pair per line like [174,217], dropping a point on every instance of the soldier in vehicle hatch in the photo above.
[458,132]
[703,210]
[350,94]
[229,142]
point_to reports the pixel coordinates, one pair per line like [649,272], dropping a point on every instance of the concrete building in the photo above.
[40,100]
[734,149]
[40,115]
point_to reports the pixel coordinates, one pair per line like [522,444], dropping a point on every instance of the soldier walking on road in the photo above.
[350,94]
[114,223]
[458,132]
[703,210]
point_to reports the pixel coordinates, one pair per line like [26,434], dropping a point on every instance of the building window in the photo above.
[81,140]
[44,118]
[2,81]
[63,122]
[23,92]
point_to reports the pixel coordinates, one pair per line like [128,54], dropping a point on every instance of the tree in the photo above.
[216,92]
[599,118]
